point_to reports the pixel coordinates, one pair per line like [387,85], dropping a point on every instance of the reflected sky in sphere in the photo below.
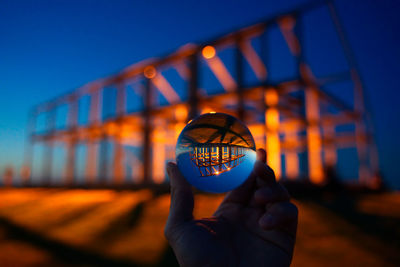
[215,152]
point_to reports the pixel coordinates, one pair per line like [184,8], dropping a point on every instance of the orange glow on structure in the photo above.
[112,129]
[150,72]
[272,126]
[271,97]
[258,132]
[207,110]
[119,167]
[313,137]
[208,52]
[178,129]
[159,155]
[181,113]
[291,157]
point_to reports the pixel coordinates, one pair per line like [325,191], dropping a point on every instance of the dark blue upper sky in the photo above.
[51,47]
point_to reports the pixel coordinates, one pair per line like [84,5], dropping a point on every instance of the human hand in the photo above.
[255,225]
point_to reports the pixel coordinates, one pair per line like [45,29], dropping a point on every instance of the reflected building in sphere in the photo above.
[214,159]
[215,152]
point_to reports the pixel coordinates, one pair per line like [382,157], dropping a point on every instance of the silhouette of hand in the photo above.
[255,225]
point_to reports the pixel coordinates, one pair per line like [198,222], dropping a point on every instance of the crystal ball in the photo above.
[215,152]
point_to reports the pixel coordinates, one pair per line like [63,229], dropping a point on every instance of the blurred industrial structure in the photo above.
[152,101]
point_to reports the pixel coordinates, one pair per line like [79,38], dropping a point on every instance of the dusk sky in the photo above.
[48,48]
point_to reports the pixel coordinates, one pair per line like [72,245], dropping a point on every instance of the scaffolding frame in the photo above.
[261,106]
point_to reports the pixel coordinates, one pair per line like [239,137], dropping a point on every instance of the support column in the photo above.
[330,156]
[272,128]
[48,147]
[291,157]
[69,173]
[181,116]
[26,171]
[364,172]
[230,155]
[219,157]
[121,100]
[239,79]
[119,155]
[193,86]
[313,136]
[118,162]
[359,102]
[103,162]
[147,132]
[160,155]
[91,162]
[91,171]
[209,148]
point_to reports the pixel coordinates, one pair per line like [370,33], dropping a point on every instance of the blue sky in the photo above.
[50,47]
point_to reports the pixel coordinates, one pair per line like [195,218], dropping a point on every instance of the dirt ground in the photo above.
[76,227]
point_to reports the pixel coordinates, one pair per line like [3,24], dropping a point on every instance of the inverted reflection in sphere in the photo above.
[215,152]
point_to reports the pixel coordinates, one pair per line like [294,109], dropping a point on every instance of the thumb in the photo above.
[182,202]
[243,193]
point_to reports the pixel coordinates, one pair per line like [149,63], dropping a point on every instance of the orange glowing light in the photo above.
[181,113]
[271,97]
[212,112]
[208,52]
[149,72]
[207,110]
[272,125]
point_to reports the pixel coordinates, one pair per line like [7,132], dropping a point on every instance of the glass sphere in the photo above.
[215,152]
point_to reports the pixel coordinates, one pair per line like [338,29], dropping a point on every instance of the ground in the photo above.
[61,227]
